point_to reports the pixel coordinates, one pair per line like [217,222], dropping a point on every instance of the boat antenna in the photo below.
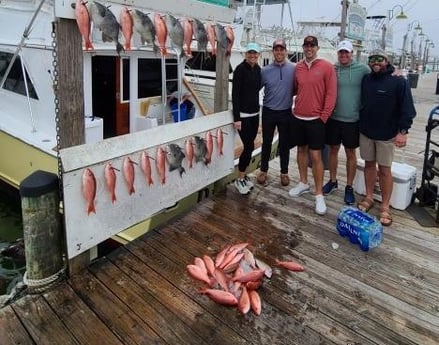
[20,45]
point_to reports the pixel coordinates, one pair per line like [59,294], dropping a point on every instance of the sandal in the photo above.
[365,205]
[385,218]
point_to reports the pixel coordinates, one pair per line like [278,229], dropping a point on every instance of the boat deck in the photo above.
[141,293]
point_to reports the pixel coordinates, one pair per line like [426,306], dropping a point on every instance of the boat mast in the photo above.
[24,37]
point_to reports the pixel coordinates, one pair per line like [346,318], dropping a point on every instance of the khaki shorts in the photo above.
[380,151]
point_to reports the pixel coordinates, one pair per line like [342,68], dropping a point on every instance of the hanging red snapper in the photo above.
[161,164]
[89,189]
[110,179]
[128,171]
[145,165]
[84,23]
[126,24]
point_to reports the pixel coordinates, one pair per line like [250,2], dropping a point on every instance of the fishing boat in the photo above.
[126,119]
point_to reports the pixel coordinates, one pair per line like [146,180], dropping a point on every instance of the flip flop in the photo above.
[365,205]
[385,218]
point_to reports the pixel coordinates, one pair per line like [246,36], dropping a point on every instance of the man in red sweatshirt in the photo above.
[316,88]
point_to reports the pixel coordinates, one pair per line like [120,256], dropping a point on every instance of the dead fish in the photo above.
[219,258]
[200,150]
[255,302]
[128,172]
[97,13]
[244,302]
[263,266]
[175,157]
[189,150]
[198,274]
[210,28]
[145,28]
[230,39]
[221,36]
[252,276]
[200,35]
[210,265]
[161,164]
[200,263]
[219,296]
[145,165]
[89,189]
[188,34]
[84,23]
[175,32]
[126,24]
[161,32]
[220,140]
[110,179]
[290,265]
[209,146]
[110,30]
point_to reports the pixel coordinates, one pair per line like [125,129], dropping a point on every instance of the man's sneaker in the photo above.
[300,189]
[241,186]
[349,197]
[248,182]
[284,179]
[262,177]
[329,187]
[320,205]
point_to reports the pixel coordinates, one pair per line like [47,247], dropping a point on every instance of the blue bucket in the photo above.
[183,112]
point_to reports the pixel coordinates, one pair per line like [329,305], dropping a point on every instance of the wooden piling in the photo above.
[43,234]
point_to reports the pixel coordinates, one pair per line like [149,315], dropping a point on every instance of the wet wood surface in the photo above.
[141,293]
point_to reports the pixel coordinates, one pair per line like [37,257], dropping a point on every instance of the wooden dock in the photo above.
[141,293]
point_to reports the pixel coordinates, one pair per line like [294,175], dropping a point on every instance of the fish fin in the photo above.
[119,48]
[91,208]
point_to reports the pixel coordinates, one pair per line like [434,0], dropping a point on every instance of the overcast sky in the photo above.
[424,11]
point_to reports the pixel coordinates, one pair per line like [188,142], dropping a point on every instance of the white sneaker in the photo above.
[320,205]
[248,182]
[301,188]
[241,186]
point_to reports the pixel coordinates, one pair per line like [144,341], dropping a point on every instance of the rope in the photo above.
[39,285]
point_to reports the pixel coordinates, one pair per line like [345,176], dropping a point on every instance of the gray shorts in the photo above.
[380,151]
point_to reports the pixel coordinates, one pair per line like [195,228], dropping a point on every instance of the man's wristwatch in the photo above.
[403,131]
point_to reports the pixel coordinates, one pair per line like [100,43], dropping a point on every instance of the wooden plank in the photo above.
[85,325]
[12,331]
[110,309]
[142,303]
[41,322]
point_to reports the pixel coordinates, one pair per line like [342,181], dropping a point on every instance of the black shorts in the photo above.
[309,133]
[339,132]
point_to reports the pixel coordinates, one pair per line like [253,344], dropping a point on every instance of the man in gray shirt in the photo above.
[278,83]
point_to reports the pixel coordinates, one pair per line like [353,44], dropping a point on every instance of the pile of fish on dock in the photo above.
[152,31]
[234,275]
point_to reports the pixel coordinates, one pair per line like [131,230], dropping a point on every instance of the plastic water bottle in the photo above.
[361,228]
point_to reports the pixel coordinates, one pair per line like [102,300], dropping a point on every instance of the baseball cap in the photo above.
[252,46]
[378,52]
[311,40]
[345,45]
[279,43]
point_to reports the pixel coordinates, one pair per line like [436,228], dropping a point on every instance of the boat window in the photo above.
[15,81]
[149,77]
[204,62]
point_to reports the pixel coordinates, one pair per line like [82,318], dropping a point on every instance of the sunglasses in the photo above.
[374,59]
[312,45]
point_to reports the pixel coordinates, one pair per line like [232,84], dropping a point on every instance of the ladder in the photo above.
[165,81]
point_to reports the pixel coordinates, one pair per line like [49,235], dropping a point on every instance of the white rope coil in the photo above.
[42,284]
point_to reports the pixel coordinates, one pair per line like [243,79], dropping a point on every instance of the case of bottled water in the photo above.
[361,228]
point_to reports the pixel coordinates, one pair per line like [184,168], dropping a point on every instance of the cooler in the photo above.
[404,184]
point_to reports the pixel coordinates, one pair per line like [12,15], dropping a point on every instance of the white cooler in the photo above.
[404,184]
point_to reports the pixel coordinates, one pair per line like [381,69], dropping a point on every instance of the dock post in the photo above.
[43,234]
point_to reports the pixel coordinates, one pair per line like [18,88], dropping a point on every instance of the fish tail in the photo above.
[113,198]
[181,171]
[89,45]
[119,48]
[91,208]
[128,46]
[132,191]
